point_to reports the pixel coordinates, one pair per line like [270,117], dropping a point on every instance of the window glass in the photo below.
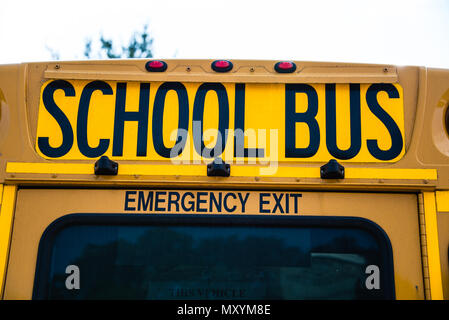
[151,260]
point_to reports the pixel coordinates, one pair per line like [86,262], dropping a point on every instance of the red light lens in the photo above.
[156,64]
[222,64]
[285,65]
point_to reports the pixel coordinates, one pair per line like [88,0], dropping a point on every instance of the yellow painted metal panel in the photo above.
[37,208]
[369,173]
[433,252]
[236,171]
[6,217]
[1,193]
[60,168]
[82,120]
[442,198]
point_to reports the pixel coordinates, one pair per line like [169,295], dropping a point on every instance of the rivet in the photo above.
[57,66]
[256,178]
[188,69]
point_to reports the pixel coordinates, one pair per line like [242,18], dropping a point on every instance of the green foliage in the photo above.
[140,46]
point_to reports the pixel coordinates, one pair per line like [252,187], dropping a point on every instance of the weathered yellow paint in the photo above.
[236,171]
[264,113]
[442,198]
[433,252]
[6,217]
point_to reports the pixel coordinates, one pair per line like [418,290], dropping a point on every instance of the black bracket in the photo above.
[332,170]
[218,168]
[105,166]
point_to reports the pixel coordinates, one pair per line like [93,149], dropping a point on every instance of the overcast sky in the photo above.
[412,32]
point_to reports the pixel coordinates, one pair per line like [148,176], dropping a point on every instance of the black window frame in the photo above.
[45,250]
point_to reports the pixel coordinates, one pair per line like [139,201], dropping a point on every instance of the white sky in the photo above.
[401,32]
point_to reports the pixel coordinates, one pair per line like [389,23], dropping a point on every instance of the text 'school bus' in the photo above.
[196,179]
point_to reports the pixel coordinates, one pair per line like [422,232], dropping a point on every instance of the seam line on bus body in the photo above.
[236,171]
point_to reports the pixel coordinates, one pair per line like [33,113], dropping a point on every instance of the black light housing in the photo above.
[105,166]
[221,65]
[332,170]
[156,66]
[218,168]
[285,67]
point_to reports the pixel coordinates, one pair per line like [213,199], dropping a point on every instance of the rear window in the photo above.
[104,256]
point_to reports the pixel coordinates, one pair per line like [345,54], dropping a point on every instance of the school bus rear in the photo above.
[198,179]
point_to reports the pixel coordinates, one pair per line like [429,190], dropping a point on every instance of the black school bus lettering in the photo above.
[308,117]
[60,117]
[158,115]
[376,109]
[355,123]
[321,131]
[83,112]
[140,116]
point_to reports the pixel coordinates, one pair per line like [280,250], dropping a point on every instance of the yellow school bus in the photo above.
[219,179]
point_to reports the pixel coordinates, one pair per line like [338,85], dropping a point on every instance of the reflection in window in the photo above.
[213,262]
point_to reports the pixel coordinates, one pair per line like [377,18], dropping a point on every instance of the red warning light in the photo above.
[222,65]
[156,66]
[285,67]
